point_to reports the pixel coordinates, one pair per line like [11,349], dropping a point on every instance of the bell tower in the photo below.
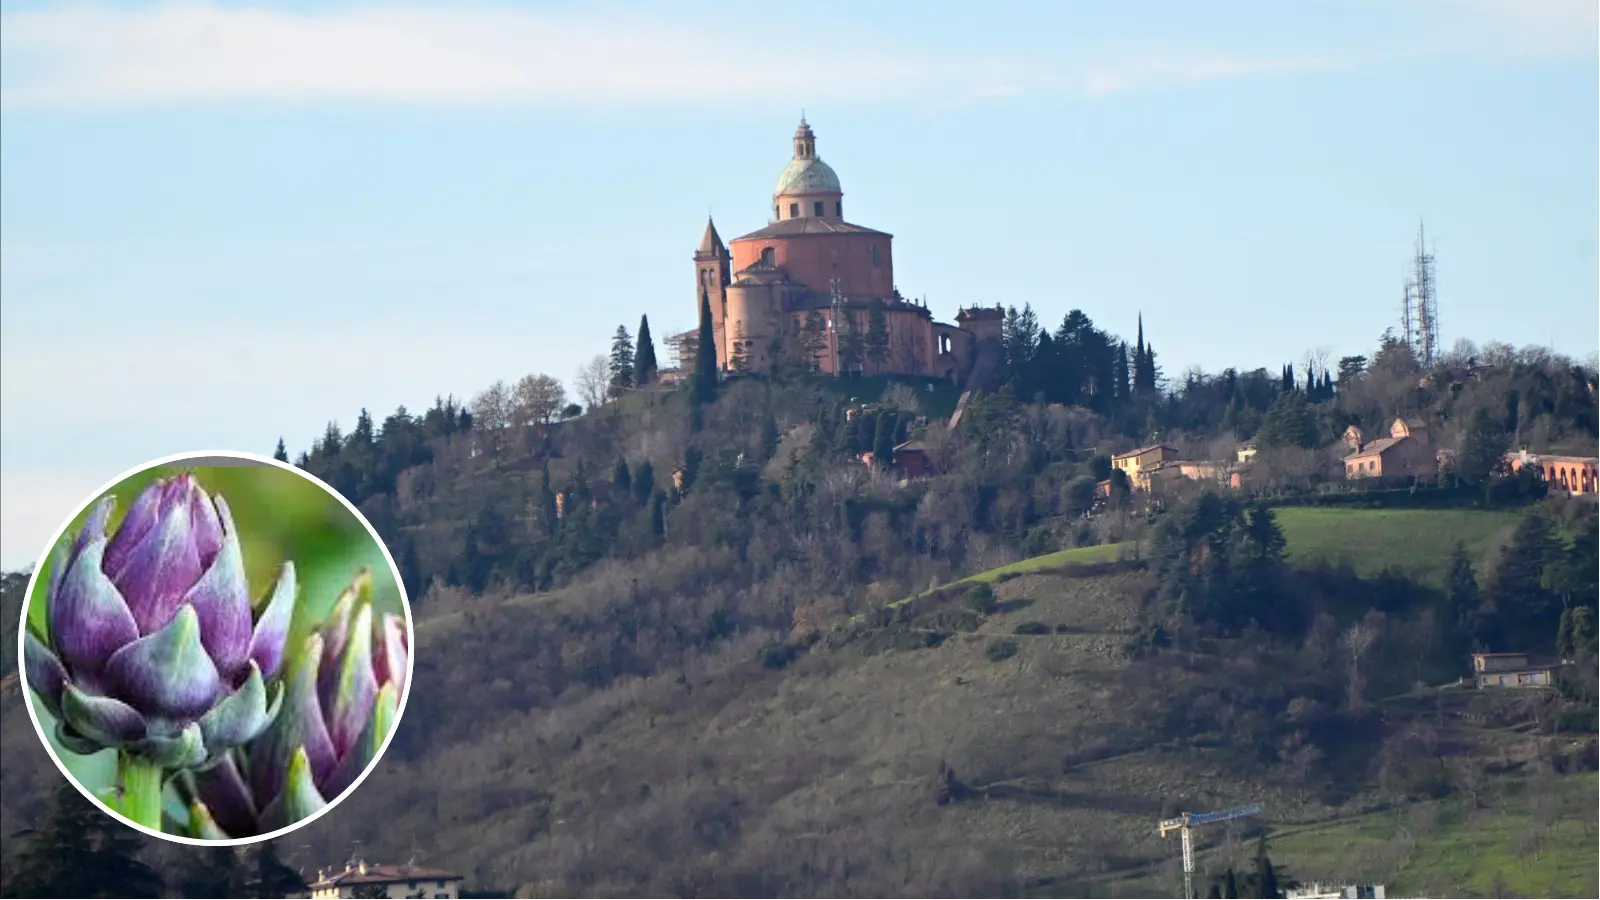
[713,274]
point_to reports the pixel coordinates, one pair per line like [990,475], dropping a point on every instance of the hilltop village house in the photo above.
[1151,467]
[811,279]
[360,878]
[1407,452]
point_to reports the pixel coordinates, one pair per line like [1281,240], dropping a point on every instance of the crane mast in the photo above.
[1186,821]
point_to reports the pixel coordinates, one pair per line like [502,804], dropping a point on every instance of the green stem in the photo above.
[141,783]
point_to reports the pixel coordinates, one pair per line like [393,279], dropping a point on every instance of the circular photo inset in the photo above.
[216,647]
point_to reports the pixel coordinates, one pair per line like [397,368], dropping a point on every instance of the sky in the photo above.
[222,223]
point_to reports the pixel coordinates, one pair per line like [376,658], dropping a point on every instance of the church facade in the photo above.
[816,289]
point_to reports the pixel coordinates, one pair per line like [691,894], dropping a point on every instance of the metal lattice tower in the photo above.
[1186,821]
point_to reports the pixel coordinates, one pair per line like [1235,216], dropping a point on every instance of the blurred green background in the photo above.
[281,516]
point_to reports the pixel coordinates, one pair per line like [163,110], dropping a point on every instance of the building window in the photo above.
[794,210]
[817,208]
[838,208]
[768,256]
[776,214]
[874,255]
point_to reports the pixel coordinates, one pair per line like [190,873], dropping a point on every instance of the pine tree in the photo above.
[620,364]
[621,478]
[703,384]
[645,367]
[282,453]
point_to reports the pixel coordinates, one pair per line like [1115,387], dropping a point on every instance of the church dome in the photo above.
[805,173]
[806,176]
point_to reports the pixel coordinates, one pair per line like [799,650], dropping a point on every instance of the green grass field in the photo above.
[1413,542]
[1534,842]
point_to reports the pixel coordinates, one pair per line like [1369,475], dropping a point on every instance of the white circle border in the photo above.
[178,459]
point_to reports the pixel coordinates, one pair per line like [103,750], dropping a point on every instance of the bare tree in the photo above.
[537,400]
[491,408]
[594,380]
[1358,640]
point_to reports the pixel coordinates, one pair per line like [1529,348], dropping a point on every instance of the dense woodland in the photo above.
[658,556]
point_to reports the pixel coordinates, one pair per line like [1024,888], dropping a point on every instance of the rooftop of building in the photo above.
[808,225]
[363,872]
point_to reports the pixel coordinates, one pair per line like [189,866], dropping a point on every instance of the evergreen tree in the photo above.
[620,363]
[281,454]
[875,346]
[410,569]
[1121,389]
[547,500]
[703,384]
[1461,589]
[1483,449]
[78,851]
[644,482]
[1521,612]
[1230,885]
[883,441]
[645,367]
[269,877]
[621,479]
[1288,379]
[213,872]
[658,514]
[1289,423]
[813,341]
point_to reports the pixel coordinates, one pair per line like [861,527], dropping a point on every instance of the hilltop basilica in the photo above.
[813,285]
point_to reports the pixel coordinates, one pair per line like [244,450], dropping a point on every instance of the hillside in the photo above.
[822,777]
[678,646]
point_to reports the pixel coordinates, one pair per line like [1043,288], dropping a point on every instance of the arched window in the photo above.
[768,256]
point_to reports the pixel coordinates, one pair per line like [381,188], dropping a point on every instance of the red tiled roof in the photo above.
[1376,447]
[808,225]
[1143,450]
[387,875]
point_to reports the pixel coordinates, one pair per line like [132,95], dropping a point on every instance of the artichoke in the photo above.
[341,696]
[152,646]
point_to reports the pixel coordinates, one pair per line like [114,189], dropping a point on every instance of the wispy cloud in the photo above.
[195,52]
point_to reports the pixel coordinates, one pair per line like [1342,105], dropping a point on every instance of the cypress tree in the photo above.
[621,479]
[644,355]
[703,385]
[883,442]
[1119,372]
[658,514]
[644,482]
[282,453]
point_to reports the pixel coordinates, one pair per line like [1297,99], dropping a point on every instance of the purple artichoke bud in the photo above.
[151,647]
[341,697]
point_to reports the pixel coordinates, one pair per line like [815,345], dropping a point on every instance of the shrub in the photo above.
[1000,650]
[1032,628]
[980,598]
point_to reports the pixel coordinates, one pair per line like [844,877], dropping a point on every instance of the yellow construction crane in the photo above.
[1186,821]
